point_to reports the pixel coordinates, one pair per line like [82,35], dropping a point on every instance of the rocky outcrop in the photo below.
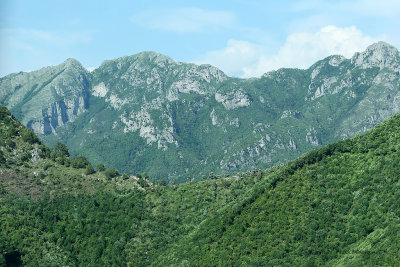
[51,97]
[381,55]
[59,113]
[233,99]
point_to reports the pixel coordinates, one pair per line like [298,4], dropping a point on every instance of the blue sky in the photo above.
[244,38]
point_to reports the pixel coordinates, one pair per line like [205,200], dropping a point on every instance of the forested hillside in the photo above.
[335,206]
[54,212]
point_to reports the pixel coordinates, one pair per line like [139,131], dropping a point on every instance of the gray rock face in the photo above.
[59,113]
[148,113]
[49,98]
[234,99]
[379,55]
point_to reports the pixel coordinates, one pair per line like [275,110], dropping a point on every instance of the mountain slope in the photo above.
[148,113]
[53,213]
[335,206]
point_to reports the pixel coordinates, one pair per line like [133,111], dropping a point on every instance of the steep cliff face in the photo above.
[382,97]
[48,98]
[141,86]
[172,120]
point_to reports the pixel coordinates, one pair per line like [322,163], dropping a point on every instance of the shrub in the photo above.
[25,156]
[61,150]
[89,169]
[212,176]
[142,182]
[12,131]
[111,172]
[41,175]
[67,162]
[100,167]
[44,152]
[4,113]
[11,144]
[60,160]
[79,162]
[29,136]
[47,166]
[2,158]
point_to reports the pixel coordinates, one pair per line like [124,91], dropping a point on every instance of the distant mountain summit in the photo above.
[148,113]
[380,55]
[48,98]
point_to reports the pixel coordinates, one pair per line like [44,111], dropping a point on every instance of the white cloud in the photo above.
[374,17]
[184,20]
[236,56]
[301,50]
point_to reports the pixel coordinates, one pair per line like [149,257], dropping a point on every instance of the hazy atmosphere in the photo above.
[242,38]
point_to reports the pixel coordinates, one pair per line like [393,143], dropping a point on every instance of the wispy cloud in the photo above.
[47,37]
[381,8]
[370,15]
[235,57]
[371,8]
[184,20]
[300,50]
[25,48]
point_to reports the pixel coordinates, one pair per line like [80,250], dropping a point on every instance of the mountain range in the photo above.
[174,121]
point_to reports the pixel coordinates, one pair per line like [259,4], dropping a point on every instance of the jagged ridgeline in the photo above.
[148,113]
[335,206]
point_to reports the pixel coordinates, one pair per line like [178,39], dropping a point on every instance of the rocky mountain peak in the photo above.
[379,54]
[154,57]
[72,64]
[148,75]
[142,60]
[381,45]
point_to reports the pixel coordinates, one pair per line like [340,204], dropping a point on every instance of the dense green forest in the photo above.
[335,206]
